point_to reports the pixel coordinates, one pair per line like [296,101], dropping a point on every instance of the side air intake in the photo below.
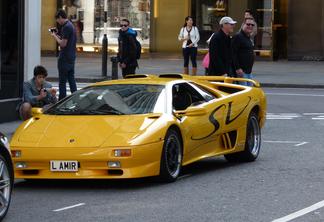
[171,76]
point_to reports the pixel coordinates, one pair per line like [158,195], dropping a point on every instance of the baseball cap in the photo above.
[227,20]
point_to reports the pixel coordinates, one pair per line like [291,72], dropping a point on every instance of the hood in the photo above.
[81,131]
[129,31]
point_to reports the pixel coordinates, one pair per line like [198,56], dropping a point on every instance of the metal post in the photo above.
[104,56]
[105,43]
[114,67]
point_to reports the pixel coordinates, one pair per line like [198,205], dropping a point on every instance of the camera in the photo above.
[44,90]
[52,30]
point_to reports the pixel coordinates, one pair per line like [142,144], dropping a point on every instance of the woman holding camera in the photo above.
[189,35]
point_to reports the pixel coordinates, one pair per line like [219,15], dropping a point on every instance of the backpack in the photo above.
[138,48]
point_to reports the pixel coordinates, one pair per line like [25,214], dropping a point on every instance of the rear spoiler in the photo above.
[227,80]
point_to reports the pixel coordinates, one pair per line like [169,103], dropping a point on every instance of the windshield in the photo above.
[123,99]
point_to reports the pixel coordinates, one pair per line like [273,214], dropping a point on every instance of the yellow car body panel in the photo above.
[91,140]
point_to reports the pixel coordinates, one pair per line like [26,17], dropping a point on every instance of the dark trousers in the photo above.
[190,53]
[66,73]
[128,70]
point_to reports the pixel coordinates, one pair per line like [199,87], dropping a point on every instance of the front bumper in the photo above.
[93,162]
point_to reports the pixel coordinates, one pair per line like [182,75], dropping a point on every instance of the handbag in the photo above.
[206,61]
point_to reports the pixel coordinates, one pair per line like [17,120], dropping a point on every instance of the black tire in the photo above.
[6,184]
[171,158]
[252,143]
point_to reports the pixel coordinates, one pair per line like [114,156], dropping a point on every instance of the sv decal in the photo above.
[228,120]
[228,116]
[213,121]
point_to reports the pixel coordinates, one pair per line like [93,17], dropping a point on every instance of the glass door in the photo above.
[207,14]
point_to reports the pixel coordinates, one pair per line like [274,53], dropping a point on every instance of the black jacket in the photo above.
[127,48]
[242,51]
[219,54]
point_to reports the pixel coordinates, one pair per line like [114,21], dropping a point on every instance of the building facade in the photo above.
[19,51]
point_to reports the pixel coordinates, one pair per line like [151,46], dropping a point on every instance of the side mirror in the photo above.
[36,111]
[192,111]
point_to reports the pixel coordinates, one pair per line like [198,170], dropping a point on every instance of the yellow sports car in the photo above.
[144,125]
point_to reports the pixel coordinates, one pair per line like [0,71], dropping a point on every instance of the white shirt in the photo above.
[194,36]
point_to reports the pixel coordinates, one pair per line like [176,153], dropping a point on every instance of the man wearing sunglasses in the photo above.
[127,48]
[220,58]
[242,50]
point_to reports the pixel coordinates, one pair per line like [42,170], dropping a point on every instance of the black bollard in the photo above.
[104,56]
[114,67]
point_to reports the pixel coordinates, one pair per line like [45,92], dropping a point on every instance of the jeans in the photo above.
[66,73]
[190,53]
[247,76]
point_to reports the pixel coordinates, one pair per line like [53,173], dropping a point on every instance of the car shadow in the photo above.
[192,171]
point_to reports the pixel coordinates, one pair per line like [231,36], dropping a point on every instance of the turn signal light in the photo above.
[15,153]
[122,153]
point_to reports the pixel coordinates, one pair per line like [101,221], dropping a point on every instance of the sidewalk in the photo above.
[302,74]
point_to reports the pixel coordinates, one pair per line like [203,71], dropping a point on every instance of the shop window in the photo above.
[207,14]
[88,18]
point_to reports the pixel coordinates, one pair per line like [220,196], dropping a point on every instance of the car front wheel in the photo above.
[171,158]
[6,183]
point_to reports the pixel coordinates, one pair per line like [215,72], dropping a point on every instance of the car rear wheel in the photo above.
[252,143]
[171,158]
[6,183]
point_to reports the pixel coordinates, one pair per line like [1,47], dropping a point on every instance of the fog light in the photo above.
[16,153]
[21,165]
[122,153]
[114,164]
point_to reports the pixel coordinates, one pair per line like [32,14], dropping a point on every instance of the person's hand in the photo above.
[42,94]
[122,65]
[239,72]
[190,45]
[185,38]
[52,91]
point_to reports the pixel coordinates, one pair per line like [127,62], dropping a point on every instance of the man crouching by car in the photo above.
[37,93]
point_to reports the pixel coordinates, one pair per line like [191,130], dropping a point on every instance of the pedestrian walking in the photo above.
[220,49]
[189,35]
[37,93]
[242,50]
[128,48]
[66,39]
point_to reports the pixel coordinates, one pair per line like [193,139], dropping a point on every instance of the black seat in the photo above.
[181,100]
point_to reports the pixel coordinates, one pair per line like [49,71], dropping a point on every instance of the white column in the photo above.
[32,39]
[88,34]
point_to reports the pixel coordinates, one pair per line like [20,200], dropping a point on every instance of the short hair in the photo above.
[125,20]
[60,13]
[40,70]
[250,18]
[249,11]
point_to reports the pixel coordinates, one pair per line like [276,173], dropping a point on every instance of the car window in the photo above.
[184,95]
[207,95]
[113,100]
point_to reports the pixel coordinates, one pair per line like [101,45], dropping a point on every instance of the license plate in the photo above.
[64,166]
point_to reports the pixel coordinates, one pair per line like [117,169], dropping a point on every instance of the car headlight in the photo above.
[4,140]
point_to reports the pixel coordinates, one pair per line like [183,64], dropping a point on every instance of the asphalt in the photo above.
[282,73]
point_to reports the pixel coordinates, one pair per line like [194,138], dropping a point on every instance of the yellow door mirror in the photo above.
[36,111]
[192,111]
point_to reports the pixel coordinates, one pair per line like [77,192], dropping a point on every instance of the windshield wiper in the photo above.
[62,111]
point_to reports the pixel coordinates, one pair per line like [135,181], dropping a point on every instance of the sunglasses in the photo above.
[249,24]
[123,25]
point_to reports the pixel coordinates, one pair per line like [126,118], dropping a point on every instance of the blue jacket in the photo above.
[31,92]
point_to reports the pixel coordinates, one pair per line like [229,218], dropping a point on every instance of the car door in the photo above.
[198,130]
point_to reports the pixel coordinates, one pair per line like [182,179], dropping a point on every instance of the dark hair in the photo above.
[125,20]
[249,11]
[251,18]
[40,70]
[61,13]
[186,19]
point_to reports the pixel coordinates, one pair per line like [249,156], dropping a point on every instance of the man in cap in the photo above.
[220,49]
